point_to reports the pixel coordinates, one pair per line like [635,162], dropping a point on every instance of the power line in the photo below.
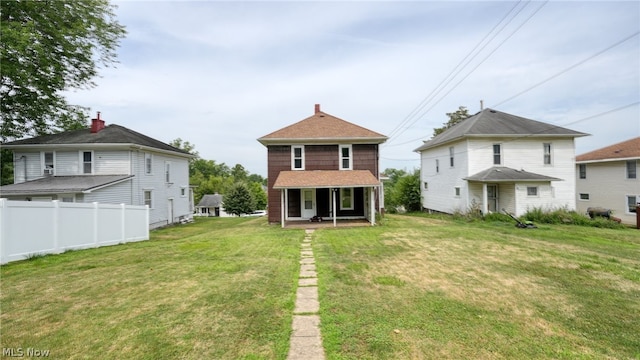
[568,69]
[472,70]
[546,80]
[529,135]
[434,92]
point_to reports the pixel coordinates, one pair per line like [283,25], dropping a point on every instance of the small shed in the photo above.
[210,205]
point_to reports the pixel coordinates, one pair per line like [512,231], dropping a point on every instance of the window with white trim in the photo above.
[148,164]
[457,191]
[346,198]
[582,170]
[346,157]
[547,153]
[297,158]
[47,161]
[632,172]
[426,185]
[532,191]
[497,156]
[584,196]
[87,162]
[437,166]
[183,191]
[451,152]
[148,198]
[167,172]
[632,202]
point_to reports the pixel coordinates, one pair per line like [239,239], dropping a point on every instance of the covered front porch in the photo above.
[323,196]
[515,191]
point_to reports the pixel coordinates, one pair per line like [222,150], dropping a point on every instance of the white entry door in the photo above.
[308,203]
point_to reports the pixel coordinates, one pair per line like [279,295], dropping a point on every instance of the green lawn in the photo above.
[427,288]
[415,287]
[216,289]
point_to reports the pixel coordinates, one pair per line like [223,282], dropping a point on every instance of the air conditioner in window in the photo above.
[48,171]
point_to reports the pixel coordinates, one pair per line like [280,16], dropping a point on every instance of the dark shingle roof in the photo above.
[211,201]
[111,134]
[505,174]
[629,149]
[495,123]
[62,184]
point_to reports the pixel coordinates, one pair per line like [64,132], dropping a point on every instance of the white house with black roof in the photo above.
[494,161]
[105,164]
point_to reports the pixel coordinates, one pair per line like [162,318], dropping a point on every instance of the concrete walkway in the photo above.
[306,342]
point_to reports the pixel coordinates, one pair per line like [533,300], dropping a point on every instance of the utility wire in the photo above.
[478,65]
[546,80]
[530,135]
[568,69]
[434,92]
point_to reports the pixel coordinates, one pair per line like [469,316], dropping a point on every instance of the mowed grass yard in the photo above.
[415,287]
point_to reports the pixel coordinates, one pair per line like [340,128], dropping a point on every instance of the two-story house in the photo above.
[323,166]
[105,164]
[494,160]
[608,178]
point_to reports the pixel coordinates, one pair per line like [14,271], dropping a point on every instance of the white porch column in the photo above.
[335,209]
[372,205]
[282,202]
[485,199]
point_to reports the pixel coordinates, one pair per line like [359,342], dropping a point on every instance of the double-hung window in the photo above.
[497,158]
[451,152]
[547,153]
[148,164]
[167,172]
[87,162]
[632,172]
[582,170]
[437,166]
[148,199]
[297,158]
[48,163]
[631,203]
[346,157]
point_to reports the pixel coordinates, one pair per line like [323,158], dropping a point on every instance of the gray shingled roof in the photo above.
[211,201]
[505,174]
[495,123]
[111,134]
[62,184]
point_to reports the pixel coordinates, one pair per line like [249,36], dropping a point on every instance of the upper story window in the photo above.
[582,171]
[346,157]
[48,162]
[497,158]
[148,164]
[451,149]
[167,172]
[297,158]
[437,166]
[87,162]
[631,169]
[547,153]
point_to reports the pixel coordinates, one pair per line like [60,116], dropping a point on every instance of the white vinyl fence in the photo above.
[29,228]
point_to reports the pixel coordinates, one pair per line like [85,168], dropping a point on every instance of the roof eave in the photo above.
[78,146]
[90,190]
[607,160]
[325,186]
[323,141]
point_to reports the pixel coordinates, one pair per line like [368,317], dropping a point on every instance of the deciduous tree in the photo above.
[239,200]
[454,118]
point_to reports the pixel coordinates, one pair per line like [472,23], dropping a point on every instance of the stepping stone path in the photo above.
[306,342]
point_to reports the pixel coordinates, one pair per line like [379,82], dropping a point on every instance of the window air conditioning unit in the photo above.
[48,171]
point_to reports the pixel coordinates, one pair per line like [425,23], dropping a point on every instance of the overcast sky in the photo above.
[222,74]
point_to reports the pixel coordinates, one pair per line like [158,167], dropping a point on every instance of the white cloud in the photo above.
[221,74]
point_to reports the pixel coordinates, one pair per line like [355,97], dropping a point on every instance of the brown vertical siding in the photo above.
[278,159]
[317,157]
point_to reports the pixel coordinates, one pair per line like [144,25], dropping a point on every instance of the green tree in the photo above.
[49,47]
[259,195]
[407,191]
[454,118]
[239,173]
[238,200]
[185,146]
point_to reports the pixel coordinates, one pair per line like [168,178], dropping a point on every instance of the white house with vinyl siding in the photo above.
[494,160]
[105,164]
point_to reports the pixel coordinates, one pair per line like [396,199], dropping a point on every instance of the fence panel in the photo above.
[29,227]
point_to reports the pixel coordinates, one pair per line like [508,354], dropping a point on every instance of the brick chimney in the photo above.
[317,108]
[97,124]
